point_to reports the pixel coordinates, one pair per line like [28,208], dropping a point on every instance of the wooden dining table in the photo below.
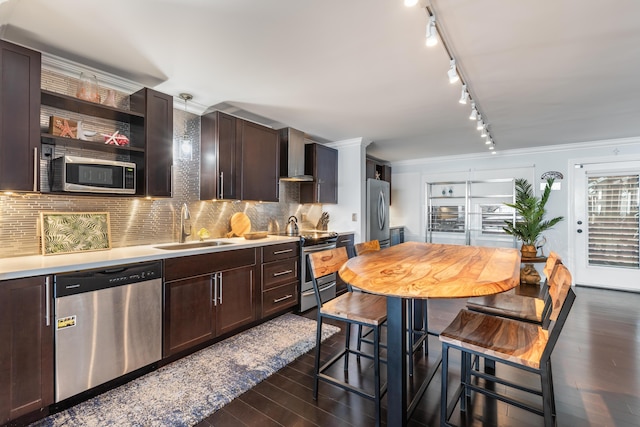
[415,270]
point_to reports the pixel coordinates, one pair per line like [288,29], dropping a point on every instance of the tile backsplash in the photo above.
[139,221]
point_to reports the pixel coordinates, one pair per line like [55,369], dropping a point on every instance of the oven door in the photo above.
[327,292]
[326,284]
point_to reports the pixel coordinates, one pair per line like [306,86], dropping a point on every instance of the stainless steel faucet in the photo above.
[185,222]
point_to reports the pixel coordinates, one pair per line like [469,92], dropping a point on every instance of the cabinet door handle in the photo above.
[345,241]
[222,185]
[214,284]
[282,273]
[284,251]
[47,303]
[286,297]
[220,286]
[35,170]
[318,193]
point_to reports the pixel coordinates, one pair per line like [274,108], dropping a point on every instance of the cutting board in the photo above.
[240,224]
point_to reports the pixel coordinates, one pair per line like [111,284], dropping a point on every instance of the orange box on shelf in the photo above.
[59,126]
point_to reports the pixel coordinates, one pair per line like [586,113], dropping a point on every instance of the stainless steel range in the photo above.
[315,241]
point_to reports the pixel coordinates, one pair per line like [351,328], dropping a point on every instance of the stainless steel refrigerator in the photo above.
[378,211]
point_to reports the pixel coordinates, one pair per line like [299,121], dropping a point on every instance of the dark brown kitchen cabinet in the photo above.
[19,118]
[26,352]
[207,296]
[345,240]
[280,277]
[239,159]
[321,162]
[157,135]
[260,169]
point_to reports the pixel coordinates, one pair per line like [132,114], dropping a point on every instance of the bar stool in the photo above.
[357,308]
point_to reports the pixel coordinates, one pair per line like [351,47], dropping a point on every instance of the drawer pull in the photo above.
[282,251]
[282,273]
[286,297]
[345,241]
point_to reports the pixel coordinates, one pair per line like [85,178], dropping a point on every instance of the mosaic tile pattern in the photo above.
[137,221]
[190,389]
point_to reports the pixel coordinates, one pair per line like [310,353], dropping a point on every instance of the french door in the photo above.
[606,225]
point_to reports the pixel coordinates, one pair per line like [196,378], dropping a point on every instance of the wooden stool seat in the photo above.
[357,307]
[509,305]
[506,339]
[519,307]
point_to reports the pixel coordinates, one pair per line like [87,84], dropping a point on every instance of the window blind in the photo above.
[612,208]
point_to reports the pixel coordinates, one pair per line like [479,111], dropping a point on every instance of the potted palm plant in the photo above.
[530,212]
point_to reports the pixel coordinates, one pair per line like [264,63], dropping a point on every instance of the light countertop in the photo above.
[36,265]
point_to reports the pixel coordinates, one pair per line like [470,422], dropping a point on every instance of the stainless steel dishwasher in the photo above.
[108,323]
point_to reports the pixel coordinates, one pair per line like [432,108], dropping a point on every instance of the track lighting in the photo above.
[489,140]
[410,3]
[464,95]
[492,147]
[432,34]
[474,112]
[453,73]
[480,123]
[483,132]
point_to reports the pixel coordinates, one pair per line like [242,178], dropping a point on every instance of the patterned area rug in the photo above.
[190,389]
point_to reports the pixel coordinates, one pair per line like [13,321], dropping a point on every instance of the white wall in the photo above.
[409,178]
[351,188]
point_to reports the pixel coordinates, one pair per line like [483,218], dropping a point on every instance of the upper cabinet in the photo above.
[321,162]
[157,134]
[19,118]
[239,159]
[376,170]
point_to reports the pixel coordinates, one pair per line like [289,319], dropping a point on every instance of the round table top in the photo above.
[432,270]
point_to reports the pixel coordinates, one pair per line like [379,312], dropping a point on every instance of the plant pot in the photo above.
[528,251]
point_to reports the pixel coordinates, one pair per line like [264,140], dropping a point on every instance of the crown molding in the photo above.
[523,151]
[353,142]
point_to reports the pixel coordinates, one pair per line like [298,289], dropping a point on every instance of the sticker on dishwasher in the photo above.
[66,322]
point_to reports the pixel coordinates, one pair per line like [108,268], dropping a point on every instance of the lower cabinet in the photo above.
[26,352]
[280,277]
[206,296]
[344,240]
[396,235]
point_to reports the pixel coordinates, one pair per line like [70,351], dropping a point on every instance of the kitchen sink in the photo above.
[192,245]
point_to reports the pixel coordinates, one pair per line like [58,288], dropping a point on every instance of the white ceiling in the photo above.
[543,73]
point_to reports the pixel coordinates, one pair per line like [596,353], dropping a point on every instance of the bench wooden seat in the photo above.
[358,307]
[512,342]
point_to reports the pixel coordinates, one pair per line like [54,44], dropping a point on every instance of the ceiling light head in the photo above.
[492,147]
[410,3]
[480,123]
[489,140]
[464,96]
[474,112]
[453,73]
[483,131]
[432,34]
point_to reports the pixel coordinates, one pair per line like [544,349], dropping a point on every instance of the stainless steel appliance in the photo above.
[108,323]
[86,175]
[315,241]
[378,211]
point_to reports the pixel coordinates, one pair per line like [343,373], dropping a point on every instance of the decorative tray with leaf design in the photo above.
[69,232]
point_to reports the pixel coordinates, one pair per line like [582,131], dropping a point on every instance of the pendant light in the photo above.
[186,146]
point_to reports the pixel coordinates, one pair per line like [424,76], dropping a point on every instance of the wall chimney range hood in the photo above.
[292,156]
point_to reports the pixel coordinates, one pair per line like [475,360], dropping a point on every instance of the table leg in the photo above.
[396,362]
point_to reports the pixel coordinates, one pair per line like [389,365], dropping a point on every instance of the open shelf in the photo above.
[70,103]
[48,138]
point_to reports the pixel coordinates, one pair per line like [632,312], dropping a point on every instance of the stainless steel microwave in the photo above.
[86,175]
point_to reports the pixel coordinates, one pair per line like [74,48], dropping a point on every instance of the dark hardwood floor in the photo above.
[596,371]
